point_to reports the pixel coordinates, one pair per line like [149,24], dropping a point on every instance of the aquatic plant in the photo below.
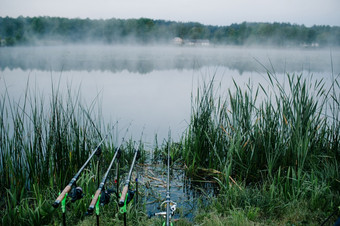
[40,140]
[282,138]
[274,152]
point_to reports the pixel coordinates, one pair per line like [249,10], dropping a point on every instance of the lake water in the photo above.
[148,89]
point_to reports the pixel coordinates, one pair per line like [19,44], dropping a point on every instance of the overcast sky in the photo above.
[208,12]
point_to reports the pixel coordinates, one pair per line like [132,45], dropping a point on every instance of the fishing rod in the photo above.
[170,205]
[167,199]
[126,195]
[127,182]
[68,188]
[101,186]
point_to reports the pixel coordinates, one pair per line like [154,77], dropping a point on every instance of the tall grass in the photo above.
[282,138]
[277,150]
[39,142]
[43,144]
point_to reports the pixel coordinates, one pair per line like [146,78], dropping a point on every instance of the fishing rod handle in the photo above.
[95,198]
[60,198]
[122,197]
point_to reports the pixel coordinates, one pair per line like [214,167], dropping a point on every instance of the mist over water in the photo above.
[147,58]
[148,89]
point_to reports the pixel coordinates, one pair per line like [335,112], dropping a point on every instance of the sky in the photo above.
[208,12]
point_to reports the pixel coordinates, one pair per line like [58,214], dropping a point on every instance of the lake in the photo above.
[148,89]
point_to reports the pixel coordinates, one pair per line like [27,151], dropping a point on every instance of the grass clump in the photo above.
[283,141]
[274,152]
[40,140]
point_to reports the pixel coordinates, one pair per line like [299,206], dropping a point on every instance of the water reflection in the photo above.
[149,89]
[145,59]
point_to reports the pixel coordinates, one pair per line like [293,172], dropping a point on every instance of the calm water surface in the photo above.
[148,89]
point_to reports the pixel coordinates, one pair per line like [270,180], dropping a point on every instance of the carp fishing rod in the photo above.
[127,182]
[170,205]
[98,195]
[78,190]
[102,184]
[126,195]
[167,199]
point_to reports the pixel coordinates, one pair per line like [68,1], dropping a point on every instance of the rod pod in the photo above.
[101,185]
[67,189]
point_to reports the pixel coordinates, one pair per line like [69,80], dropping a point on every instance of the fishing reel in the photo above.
[173,207]
[104,199]
[105,196]
[76,194]
[172,204]
[130,196]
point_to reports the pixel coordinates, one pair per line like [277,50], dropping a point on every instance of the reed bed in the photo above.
[43,144]
[282,140]
[274,151]
[45,140]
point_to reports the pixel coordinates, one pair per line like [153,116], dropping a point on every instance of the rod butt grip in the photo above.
[90,210]
[123,196]
[56,204]
[60,198]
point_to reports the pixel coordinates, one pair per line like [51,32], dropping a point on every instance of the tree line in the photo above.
[49,30]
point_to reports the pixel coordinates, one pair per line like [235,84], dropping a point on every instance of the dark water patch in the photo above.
[184,191]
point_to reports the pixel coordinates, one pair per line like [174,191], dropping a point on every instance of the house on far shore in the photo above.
[177,41]
[190,42]
[312,45]
[203,42]
[197,42]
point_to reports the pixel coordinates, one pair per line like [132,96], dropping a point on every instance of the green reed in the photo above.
[284,137]
[272,145]
[40,141]
[44,142]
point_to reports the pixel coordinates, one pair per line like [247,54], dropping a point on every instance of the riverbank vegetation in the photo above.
[276,148]
[274,152]
[56,30]
[43,145]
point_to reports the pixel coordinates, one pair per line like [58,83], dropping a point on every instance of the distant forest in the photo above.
[56,30]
